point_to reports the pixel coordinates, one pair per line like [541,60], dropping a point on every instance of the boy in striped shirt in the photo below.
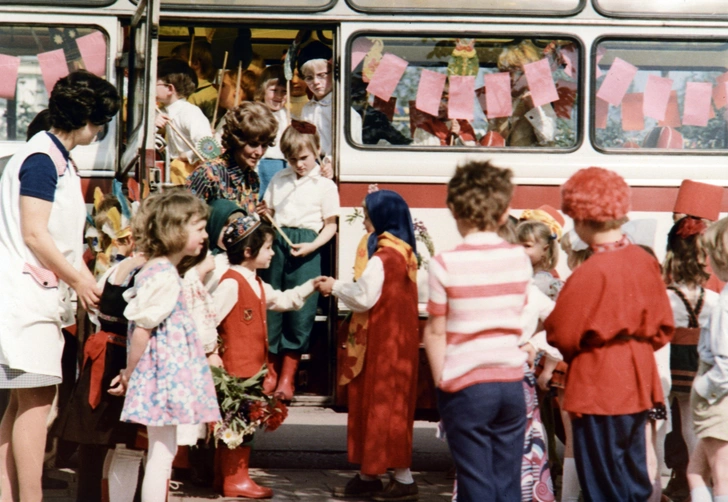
[477,294]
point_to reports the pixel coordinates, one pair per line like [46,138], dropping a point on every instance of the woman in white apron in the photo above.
[42,214]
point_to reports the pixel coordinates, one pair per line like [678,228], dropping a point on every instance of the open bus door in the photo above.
[139,69]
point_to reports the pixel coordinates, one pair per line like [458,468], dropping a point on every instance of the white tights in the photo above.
[162,449]
[121,468]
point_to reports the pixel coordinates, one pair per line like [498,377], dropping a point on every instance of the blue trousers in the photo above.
[485,426]
[611,457]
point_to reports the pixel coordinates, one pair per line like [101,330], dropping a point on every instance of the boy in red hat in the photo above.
[610,317]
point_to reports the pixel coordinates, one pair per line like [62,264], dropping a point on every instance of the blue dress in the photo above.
[172,383]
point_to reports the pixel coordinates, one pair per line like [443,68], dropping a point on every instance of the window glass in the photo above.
[33,58]
[298,5]
[663,94]
[470,92]
[552,7]
[646,8]
[66,3]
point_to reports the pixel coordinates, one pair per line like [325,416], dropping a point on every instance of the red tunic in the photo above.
[244,333]
[439,128]
[610,317]
[382,397]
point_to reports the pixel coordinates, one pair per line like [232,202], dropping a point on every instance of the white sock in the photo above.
[404,476]
[123,474]
[702,494]
[162,449]
[570,487]
[364,477]
[720,498]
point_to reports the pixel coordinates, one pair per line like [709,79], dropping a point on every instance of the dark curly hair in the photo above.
[249,123]
[254,242]
[82,97]
[480,193]
[686,258]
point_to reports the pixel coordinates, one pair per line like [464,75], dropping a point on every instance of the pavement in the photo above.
[305,459]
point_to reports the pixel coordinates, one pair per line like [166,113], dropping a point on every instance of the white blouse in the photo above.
[153,301]
[363,294]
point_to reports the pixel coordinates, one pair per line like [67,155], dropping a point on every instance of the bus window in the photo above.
[665,94]
[651,8]
[288,5]
[492,92]
[33,58]
[523,7]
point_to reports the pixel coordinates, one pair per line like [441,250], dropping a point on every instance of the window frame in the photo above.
[495,10]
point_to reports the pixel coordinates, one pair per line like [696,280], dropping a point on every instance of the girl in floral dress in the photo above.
[167,380]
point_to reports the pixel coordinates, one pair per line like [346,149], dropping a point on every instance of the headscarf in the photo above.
[389,212]
[220,211]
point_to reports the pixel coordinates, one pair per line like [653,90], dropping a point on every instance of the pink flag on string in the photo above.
[696,111]
[632,117]
[93,52]
[387,76]
[568,55]
[9,70]
[359,49]
[617,81]
[541,82]
[461,104]
[429,92]
[657,95]
[498,95]
[720,91]
[601,113]
[53,67]
[672,115]
[600,54]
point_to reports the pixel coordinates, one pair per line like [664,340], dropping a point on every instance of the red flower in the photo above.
[257,411]
[278,414]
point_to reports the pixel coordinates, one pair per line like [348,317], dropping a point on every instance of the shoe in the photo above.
[397,491]
[271,378]
[287,379]
[358,488]
[236,481]
[677,490]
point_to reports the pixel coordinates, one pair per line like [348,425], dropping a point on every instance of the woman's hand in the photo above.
[119,384]
[88,292]
[302,249]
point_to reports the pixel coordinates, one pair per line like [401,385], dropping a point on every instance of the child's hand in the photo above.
[327,167]
[324,285]
[544,378]
[302,249]
[531,351]
[160,121]
[455,128]
[214,360]
[119,384]
[262,210]
[205,267]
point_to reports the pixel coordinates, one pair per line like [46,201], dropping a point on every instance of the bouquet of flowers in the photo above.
[244,407]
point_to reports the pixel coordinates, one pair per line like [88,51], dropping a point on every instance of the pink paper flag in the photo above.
[53,67]
[657,95]
[93,52]
[9,70]
[429,92]
[696,110]
[720,91]
[568,55]
[498,95]
[632,117]
[672,115]
[601,113]
[600,54]
[617,81]
[541,82]
[387,76]
[461,104]
[359,49]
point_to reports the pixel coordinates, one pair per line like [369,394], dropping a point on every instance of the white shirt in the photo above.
[302,202]
[226,294]
[363,294]
[274,152]
[318,112]
[713,349]
[191,122]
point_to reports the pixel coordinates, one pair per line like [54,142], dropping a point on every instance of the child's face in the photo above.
[368,225]
[196,236]
[298,86]
[535,250]
[265,254]
[318,78]
[274,97]
[227,93]
[165,92]
[303,162]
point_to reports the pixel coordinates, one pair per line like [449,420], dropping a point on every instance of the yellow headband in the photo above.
[545,218]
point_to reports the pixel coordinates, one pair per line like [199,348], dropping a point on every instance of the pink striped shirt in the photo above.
[481,287]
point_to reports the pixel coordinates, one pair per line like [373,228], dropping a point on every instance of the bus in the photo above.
[544,88]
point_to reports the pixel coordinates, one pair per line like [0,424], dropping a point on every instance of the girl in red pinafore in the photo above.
[382,396]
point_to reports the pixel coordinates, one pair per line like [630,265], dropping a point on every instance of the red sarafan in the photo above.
[595,194]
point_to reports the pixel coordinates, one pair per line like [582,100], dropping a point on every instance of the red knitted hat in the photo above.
[595,194]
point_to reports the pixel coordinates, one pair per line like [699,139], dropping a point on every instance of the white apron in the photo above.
[34,304]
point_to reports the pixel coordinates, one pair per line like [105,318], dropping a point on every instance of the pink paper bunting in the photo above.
[9,70]
[601,113]
[541,82]
[657,95]
[498,95]
[672,115]
[461,104]
[632,117]
[385,79]
[53,67]
[93,52]
[359,49]
[568,55]
[617,81]
[720,91]
[696,111]
[429,92]
[600,54]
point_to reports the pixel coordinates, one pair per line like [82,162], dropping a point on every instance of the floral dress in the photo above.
[172,383]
